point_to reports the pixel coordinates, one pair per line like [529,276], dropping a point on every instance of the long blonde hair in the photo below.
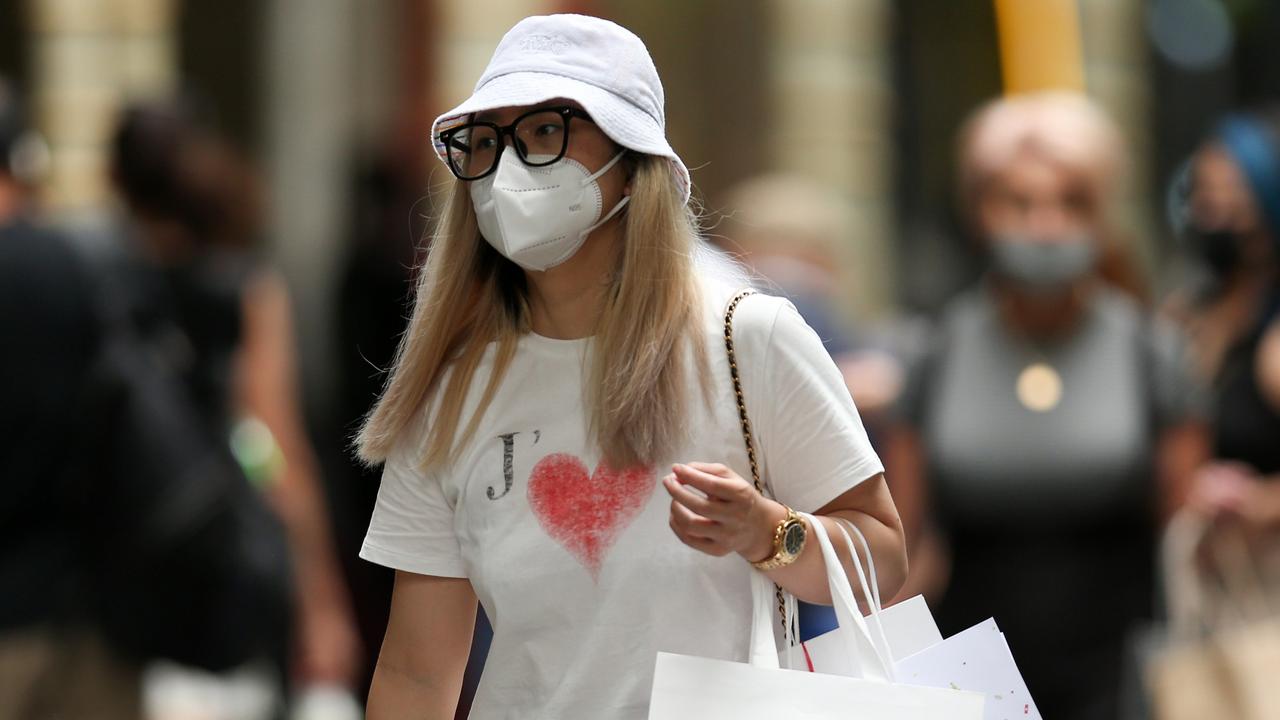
[469,297]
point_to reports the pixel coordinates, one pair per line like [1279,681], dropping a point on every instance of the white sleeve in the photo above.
[412,525]
[813,445]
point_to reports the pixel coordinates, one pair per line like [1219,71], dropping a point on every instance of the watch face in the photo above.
[793,540]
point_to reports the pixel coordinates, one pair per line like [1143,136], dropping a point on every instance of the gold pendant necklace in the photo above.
[1039,387]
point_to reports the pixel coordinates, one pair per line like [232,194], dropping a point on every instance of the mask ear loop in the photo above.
[612,161]
[621,203]
[616,209]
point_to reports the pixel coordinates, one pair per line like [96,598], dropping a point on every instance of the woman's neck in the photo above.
[1041,316]
[566,301]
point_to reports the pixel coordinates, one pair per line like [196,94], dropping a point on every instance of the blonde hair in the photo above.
[1072,132]
[1066,128]
[470,297]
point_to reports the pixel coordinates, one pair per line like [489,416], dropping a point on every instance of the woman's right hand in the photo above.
[424,653]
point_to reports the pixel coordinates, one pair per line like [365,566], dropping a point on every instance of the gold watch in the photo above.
[788,542]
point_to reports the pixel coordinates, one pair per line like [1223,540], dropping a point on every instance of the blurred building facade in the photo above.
[862,95]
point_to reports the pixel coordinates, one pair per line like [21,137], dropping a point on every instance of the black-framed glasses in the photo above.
[540,138]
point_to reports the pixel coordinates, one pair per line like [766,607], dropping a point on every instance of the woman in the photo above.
[1233,316]
[563,361]
[1050,425]
[224,318]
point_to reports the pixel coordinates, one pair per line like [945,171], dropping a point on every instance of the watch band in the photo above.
[780,557]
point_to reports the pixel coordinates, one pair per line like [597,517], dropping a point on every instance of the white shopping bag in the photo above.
[977,659]
[688,687]
[908,626]
[1221,649]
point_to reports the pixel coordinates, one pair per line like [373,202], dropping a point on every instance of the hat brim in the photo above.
[619,118]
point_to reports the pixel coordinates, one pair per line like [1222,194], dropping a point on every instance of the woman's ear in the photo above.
[629,164]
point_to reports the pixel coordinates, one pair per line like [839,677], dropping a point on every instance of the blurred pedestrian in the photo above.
[205,296]
[371,313]
[127,532]
[566,347]
[53,660]
[1051,423]
[789,230]
[1232,314]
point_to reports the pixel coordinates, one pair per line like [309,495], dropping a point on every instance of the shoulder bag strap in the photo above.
[746,431]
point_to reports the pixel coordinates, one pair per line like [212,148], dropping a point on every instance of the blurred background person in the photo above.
[1231,314]
[1051,424]
[387,220]
[53,658]
[127,531]
[204,294]
[787,229]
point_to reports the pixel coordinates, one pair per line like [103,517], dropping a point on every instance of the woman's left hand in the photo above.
[716,511]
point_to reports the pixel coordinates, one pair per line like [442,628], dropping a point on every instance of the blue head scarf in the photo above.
[1256,149]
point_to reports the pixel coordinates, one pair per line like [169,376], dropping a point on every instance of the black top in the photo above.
[59,436]
[1246,425]
[193,313]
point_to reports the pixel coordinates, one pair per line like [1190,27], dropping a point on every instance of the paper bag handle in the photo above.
[870,591]
[870,659]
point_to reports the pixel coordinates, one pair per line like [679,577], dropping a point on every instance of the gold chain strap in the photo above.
[746,425]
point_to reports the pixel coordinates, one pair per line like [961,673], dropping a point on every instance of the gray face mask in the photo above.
[1043,266]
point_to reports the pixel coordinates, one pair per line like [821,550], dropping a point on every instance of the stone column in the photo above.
[1116,72]
[309,118]
[91,57]
[831,110]
[468,33]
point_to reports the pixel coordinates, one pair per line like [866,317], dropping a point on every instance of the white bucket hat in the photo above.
[600,65]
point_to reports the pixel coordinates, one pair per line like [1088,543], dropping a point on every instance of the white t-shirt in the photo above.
[574,562]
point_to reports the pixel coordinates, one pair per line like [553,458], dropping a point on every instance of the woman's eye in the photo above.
[483,144]
[548,129]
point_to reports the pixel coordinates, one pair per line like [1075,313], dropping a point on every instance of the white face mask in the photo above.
[538,217]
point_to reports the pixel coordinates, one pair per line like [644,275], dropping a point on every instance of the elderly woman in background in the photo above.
[1050,425]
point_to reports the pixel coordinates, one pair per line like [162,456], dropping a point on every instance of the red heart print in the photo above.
[584,512]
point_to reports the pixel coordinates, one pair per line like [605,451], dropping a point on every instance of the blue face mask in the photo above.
[1043,266]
